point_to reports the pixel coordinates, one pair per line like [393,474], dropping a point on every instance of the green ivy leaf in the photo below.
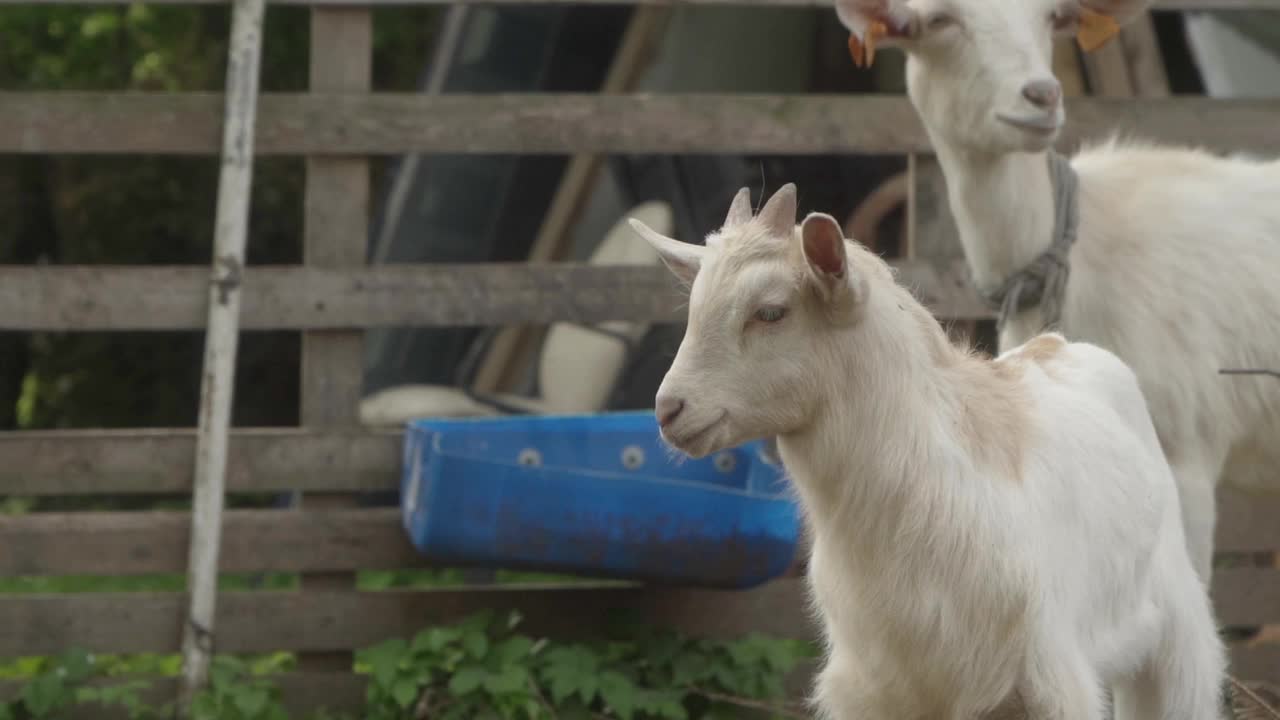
[466,680]
[44,694]
[665,704]
[435,639]
[76,665]
[688,668]
[477,622]
[204,707]
[405,692]
[619,693]
[384,660]
[476,644]
[250,701]
[569,670]
[511,679]
[7,712]
[513,648]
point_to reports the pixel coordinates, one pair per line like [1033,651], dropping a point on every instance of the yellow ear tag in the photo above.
[1095,29]
[865,53]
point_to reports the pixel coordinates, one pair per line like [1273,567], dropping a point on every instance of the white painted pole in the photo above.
[217,382]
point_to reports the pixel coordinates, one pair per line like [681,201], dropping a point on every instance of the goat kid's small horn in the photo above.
[740,209]
[779,214]
[649,234]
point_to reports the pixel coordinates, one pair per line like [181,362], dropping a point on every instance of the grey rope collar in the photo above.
[1043,282]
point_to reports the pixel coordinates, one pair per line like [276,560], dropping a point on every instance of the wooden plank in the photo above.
[1256,663]
[340,620]
[336,235]
[1159,4]
[1142,54]
[1247,522]
[391,123]
[1108,72]
[312,298]
[158,461]
[138,543]
[1247,596]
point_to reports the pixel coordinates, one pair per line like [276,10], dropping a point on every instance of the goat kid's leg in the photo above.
[1058,684]
[843,692]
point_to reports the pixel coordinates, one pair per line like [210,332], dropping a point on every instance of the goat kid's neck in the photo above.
[1003,208]
[872,457]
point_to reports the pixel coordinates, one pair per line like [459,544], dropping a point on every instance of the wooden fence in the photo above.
[333,296]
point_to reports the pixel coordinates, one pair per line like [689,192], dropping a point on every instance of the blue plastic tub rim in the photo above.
[434,430]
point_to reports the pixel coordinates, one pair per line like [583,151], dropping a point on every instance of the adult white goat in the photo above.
[1175,254]
[980,528]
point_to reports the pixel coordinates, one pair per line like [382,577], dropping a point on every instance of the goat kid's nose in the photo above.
[668,409]
[1043,93]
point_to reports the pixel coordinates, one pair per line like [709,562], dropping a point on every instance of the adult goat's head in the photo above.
[766,301]
[980,71]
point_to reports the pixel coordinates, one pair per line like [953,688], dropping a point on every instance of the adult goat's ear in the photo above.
[873,23]
[1122,11]
[683,259]
[828,260]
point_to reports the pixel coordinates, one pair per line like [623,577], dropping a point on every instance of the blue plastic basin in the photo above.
[597,495]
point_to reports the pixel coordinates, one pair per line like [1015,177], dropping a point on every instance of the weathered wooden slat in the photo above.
[1256,663]
[313,298]
[1247,596]
[255,622]
[159,461]
[387,123]
[335,235]
[319,621]
[1247,522]
[1159,4]
[137,543]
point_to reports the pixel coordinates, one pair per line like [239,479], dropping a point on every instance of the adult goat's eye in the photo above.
[1065,19]
[938,21]
[771,313]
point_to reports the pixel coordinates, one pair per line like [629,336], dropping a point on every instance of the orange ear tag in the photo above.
[865,53]
[1095,29]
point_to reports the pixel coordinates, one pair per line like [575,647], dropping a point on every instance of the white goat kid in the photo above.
[980,528]
[1173,267]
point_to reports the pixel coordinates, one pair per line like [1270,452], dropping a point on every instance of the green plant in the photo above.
[479,669]
[234,692]
[483,668]
[61,681]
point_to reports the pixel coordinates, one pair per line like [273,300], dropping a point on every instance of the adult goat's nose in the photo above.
[1043,93]
[668,409]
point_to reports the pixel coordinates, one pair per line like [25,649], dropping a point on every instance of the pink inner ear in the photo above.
[824,246]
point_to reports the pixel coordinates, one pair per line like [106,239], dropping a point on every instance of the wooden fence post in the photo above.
[335,235]
[217,381]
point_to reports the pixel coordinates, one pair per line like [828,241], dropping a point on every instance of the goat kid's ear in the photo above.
[826,257]
[739,210]
[682,259]
[874,23]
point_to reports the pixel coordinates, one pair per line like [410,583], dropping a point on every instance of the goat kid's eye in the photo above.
[770,313]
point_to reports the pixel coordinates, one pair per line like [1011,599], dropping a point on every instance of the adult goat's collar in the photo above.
[1043,281]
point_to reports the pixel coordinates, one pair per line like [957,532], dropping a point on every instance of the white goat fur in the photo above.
[1174,269]
[979,527]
